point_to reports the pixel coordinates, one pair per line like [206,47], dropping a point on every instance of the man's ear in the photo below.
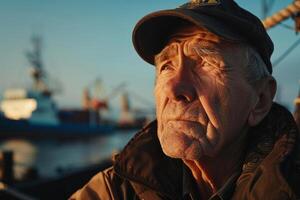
[265,93]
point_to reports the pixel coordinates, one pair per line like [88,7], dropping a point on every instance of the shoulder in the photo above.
[105,185]
[97,188]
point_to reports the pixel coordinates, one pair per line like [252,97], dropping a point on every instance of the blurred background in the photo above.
[73,91]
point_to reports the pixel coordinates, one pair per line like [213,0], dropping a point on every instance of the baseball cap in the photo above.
[225,18]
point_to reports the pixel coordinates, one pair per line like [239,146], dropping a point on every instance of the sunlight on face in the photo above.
[202,98]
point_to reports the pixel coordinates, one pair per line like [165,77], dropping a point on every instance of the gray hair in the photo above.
[255,68]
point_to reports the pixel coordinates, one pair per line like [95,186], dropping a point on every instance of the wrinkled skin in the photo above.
[202,97]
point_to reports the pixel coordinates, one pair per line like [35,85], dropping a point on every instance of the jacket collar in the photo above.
[143,161]
[264,136]
[272,160]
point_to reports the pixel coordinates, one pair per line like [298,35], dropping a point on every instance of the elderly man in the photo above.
[217,135]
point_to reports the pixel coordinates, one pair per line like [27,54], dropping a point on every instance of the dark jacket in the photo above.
[271,168]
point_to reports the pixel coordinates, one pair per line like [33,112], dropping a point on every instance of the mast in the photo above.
[126,115]
[37,70]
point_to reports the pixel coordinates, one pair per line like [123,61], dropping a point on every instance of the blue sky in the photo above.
[87,39]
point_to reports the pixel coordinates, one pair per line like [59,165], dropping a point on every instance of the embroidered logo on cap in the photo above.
[205,2]
[199,3]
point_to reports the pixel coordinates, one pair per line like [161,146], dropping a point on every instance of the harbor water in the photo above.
[54,157]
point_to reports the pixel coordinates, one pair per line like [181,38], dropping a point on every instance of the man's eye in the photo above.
[165,67]
[206,65]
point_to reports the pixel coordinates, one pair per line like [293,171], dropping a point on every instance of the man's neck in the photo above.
[213,172]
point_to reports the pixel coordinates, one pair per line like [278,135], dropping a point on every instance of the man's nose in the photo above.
[181,88]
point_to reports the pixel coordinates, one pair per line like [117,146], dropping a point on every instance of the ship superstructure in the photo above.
[35,104]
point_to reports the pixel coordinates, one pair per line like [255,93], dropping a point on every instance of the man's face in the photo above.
[202,98]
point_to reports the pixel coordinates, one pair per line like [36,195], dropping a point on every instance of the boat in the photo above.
[34,113]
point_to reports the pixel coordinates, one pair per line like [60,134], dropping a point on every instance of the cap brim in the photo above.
[152,31]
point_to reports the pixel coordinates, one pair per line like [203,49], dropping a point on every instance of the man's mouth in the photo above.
[181,119]
[190,128]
